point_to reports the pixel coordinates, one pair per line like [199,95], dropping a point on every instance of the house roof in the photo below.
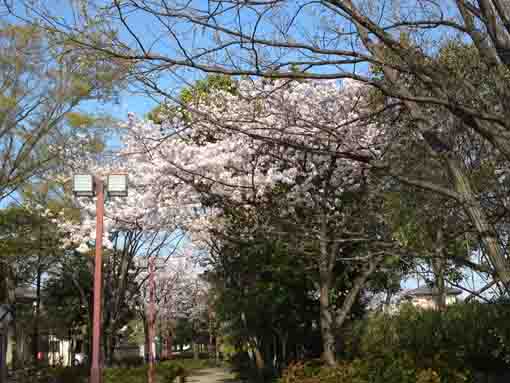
[427,291]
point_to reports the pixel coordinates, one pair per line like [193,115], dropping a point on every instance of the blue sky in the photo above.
[140,104]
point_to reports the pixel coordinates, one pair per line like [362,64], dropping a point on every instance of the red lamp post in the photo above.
[95,368]
[83,186]
[152,320]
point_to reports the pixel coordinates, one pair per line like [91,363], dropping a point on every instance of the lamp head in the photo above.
[83,185]
[117,185]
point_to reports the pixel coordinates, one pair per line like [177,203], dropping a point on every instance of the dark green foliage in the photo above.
[166,372]
[129,361]
[183,332]
[465,343]
[475,334]
[397,369]
[264,294]
[471,336]
[53,375]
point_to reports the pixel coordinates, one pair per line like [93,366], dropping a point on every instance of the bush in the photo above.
[125,375]
[166,373]
[130,361]
[246,370]
[476,336]
[401,369]
[465,343]
[52,375]
[170,370]
[192,364]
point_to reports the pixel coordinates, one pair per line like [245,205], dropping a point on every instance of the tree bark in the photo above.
[109,349]
[4,300]
[35,342]
[4,334]
[217,349]
[19,335]
[259,359]
[328,338]
[327,257]
[146,338]
[438,265]
[195,350]
[485,230]
[359,282]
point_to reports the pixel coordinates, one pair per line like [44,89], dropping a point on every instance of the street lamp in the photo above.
[83,185]
[86,185]
[117,185]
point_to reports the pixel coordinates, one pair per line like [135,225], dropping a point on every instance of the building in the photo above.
[426,297]
[16,342]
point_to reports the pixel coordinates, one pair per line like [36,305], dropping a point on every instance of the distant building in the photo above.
[426,297]
[53,349]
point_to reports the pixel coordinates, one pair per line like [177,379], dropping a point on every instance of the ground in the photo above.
[212,375]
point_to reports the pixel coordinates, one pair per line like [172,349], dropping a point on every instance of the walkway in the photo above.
[211,375]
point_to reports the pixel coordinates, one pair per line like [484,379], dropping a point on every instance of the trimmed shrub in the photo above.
[474,336]
[166,372]
[52,375]
[130,361]
[401,369]
[465,343]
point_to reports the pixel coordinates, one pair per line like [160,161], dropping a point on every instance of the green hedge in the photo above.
[399,369]
[166,372]
[465,343]
[475,335]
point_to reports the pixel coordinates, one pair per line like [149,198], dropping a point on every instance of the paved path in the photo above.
[212,375]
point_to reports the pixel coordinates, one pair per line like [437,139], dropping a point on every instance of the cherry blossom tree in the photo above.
[178,295]
[236,148]
[392,46]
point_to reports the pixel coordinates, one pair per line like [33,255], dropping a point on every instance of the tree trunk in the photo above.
[147,347]
[8,298]
[387,301]
[19,335]
[259,359]
[328,338]
[438,265]
[195,350]
[4,301]
[276,359]
[217,348]
[359,282]
[326,263]
[284,340]
[109,349]
[35,342]
[169,344]
[479,220]
[4,334]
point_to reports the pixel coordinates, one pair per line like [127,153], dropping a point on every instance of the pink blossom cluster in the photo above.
[237,147]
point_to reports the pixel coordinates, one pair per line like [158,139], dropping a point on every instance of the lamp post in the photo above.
[152,319]
[152,264]
[86,185]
